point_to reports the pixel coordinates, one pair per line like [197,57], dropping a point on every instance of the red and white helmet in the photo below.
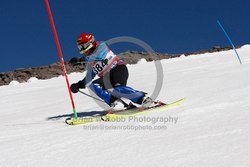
[85,42]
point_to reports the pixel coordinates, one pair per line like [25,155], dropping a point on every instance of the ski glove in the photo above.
[76,86]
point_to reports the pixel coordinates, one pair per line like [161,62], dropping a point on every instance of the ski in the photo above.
[123,113]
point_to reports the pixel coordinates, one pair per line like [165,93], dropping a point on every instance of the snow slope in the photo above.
[212,127]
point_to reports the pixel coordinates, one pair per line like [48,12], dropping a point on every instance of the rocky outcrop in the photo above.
[132,57]
[212,50]
[78,65]
[43,72]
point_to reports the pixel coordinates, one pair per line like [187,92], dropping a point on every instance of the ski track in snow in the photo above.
[212,127]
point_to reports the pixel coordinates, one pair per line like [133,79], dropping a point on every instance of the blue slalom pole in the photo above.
[238,56]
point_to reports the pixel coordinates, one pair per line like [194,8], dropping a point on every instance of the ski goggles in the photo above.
[85,46]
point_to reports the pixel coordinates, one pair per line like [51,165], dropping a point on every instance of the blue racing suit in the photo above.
[113,75]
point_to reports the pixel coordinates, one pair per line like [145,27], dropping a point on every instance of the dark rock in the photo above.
[76,60]
[77,64]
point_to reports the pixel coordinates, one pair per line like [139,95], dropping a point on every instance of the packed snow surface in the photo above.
[210,129]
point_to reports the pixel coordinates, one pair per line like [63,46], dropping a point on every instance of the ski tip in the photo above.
[69,121]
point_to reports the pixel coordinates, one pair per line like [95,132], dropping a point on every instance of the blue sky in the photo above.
[167,26]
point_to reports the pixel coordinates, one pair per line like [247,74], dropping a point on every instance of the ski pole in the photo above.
[91,96]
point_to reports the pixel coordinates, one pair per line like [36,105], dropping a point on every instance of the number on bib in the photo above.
[98,67]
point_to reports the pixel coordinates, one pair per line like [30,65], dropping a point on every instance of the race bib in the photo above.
[104,66]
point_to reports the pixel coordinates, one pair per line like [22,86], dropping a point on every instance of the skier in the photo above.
[113,75]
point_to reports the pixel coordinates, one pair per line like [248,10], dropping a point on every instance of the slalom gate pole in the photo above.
[231,42]
[61,55]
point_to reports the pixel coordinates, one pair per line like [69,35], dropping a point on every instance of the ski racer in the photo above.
[113,74]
